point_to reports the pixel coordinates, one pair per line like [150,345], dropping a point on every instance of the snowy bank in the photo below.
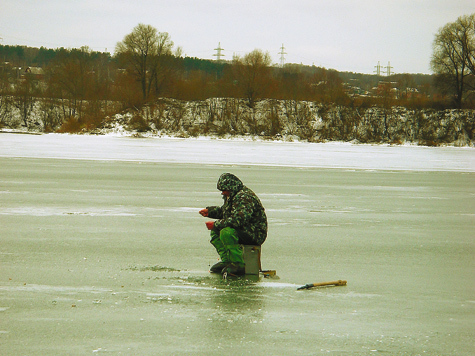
[277,120]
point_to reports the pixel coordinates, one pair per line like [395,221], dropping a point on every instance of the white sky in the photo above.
[347,35]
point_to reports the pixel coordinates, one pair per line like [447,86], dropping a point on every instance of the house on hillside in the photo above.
[36,72]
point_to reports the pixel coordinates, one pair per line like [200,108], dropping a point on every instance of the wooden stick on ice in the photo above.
[334,283]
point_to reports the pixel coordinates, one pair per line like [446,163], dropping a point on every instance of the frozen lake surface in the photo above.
[103,250]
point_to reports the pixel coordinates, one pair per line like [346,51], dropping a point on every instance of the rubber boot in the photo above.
[236,267]
[234,251]
[223,255]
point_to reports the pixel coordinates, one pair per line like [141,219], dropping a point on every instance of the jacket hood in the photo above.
[229,182]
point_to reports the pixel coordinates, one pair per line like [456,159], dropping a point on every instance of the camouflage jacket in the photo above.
[242,210]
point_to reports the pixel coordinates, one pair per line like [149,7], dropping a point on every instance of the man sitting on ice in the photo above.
[241,221]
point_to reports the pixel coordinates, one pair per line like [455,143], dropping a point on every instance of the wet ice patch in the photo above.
[59,211]
[278,285]
[159,298]
[288,210]
[325,225]
[185,209]
[191,287]
[57,289]
[339,210]
[355,295]
[282,195]
[156,268]
[100,349]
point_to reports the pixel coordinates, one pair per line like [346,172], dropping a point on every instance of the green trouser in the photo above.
[226,242]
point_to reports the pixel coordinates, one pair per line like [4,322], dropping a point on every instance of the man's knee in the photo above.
[214,235]
[229,236]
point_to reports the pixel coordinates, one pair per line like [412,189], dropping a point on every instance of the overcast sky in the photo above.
[347,35]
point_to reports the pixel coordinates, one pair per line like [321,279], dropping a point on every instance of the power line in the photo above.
[218,53]
[282,53]
[378,69]
[388,69]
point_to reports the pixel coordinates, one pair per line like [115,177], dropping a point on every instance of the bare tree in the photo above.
[327,86]
[5,98]
[468,22]
[142,50]
[24,98]
[453,58]
[253,74]
[70,79]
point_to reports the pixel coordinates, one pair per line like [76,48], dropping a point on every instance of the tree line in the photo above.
[78,88]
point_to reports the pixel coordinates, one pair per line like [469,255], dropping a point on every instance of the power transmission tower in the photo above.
[218,54]
[378,69]
[388,69]
[282,54]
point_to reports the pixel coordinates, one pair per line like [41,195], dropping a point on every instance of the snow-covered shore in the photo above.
[277,120]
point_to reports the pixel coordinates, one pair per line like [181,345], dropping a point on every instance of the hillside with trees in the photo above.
[148,85]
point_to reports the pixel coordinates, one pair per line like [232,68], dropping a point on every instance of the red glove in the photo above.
[210,225]
[204,212]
